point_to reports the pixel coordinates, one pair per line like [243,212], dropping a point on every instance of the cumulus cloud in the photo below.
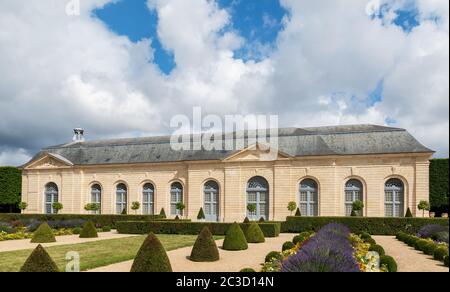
[59,72]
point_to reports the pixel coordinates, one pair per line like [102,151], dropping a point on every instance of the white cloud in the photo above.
[59,72]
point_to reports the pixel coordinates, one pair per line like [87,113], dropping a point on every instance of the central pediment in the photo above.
[257,152]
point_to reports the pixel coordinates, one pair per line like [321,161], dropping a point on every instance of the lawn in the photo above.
[95,254]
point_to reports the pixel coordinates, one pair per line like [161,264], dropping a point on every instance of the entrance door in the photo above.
[211,207]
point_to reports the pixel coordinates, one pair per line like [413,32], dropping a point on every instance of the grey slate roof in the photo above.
[296,142]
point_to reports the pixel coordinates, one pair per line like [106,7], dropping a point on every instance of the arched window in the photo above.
[354,191]
[148,199]
[121,198]
[96,197]
[309,198]
[211,193]
[258,195]
[176,196]
[51,196]
[394,198]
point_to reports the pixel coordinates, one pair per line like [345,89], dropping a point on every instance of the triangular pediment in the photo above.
[48,161]
[257,152]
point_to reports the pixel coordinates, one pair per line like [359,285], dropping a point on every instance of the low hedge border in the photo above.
[189,228]
[98,220]
[374,226]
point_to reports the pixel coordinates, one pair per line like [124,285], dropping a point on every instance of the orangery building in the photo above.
[323,170]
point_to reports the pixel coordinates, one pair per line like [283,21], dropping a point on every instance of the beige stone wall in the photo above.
[283,176]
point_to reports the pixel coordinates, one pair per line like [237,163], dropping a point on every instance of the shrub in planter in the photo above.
[430,248]
[77,230]
[89,230]
[421,244]
[205,248]
[301,237]
[247,270]
[389,262]
[288,245]
[44,234]
[377,248]
[440,253]
[39,262]
[246,220]
[235,239]
[151,257]
[254,234]
[106,229]
[273,255]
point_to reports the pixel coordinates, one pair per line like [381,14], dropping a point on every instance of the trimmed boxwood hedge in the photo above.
[269,229]
[98,220]
[374,226]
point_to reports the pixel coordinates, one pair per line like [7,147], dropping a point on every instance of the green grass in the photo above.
[95,254]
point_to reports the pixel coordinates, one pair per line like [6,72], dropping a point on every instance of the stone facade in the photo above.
[283,176]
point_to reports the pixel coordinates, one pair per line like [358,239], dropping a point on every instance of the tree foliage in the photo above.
[10,185]
[439,185]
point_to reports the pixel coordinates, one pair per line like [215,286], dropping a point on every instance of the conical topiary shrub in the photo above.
[408,213]
[298,213]
[43,234]
[89,230]
[254,234]
[262,220]
[235,239]
[246,220]
[152,257]
[205,248]
[201,214]
[39,262]
[163,213]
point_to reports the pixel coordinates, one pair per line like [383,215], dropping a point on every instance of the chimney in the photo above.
[79,135]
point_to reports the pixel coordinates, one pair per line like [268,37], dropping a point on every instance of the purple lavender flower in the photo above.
[328,251]
[432,231]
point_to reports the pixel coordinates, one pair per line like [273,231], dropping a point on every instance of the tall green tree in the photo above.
[439,185]
[10,186]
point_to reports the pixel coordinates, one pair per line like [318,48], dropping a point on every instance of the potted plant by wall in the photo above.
[22,206]
[251,208]
[424,206]
[57,207]
[135,206]
[357,208]
[201,215]
[180,207]
[292,206]
[92,207]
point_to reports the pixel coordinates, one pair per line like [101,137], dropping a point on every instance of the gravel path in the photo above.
[408,259]
[229,261]
[12,245]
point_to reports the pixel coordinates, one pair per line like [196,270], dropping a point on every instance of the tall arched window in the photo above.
[176,196]
[51,196]
[394,198]
[96,197]
[121,198]
[211,195]
[354,191]
[148,199]
[309,198]
[258,195]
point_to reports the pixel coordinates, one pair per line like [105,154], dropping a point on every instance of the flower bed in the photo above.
[332,249]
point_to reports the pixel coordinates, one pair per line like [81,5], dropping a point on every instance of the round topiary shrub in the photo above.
[389,262]
[440,253]
[273,255]
[254,234]
[377,248]
[235,239]
[247,270]
[152,257]
[106,229]
[371,241]
[430,248]
[39,262]
[44,234]
[446,261]
[411,240]
[288,245]
[205,248]
[89,230]
[301,237]
[364,236]
[421,244]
